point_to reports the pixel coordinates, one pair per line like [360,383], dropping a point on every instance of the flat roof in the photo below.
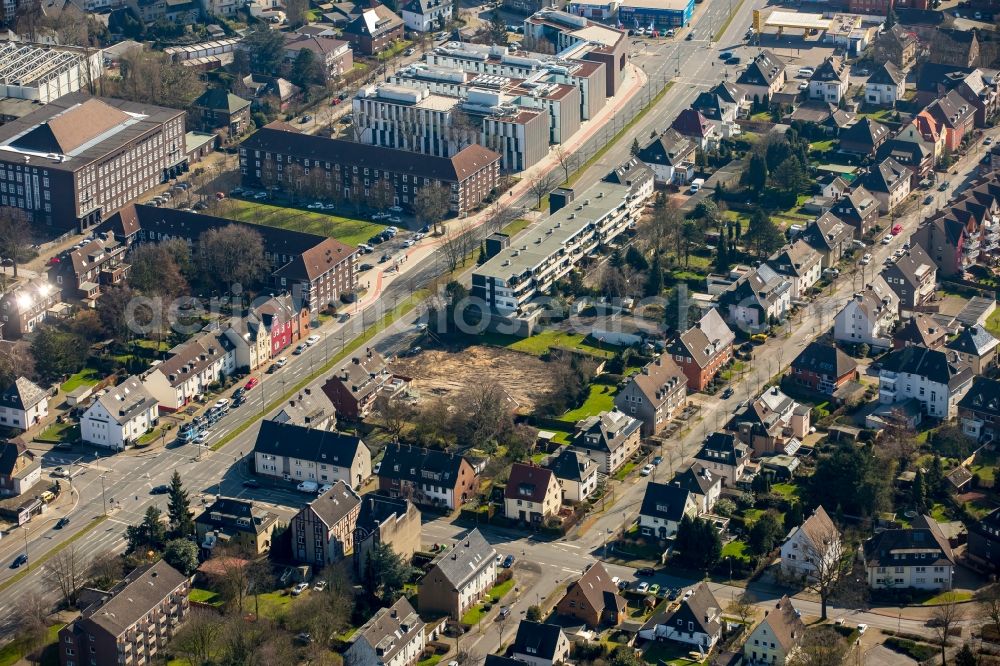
[800,20]
[603,35]
[671,5]
[550,234]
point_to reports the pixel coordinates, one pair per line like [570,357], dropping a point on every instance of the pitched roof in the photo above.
[220,99]
[308,408]
[951,110]
[831,69]
[72,128]
[412,463]
[785,624]
[464,560]
[316,261]
[11,451]
[824,359]
[128,601]
[537,639]
[794,260]
[596,587]
[377,509]
[497,660]
[984,396]
[573,466]
[658,379]
[22,395]
[920,329]
[390,629]
[335,504]
[887,74]
[974,340]
[528,482]
[932,364]
[193,357]
[886,176]
[818,529]
[231,513]
[127,400]
[762,70]
[922,545]
[662,500]
[373,22]
[827,231]
[318,44]
[707,338]
[866,132]
[294,441]
[606,431]
[701,609]
[722,447]
[669,148]
[691,123]
[697,479]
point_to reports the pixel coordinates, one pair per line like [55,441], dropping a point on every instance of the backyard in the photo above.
[86,377]
[601,399]
[344,229]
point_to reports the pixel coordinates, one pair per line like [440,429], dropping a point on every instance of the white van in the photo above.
[696,185]
[307,487]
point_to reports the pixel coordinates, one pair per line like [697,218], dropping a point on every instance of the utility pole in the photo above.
[103,496]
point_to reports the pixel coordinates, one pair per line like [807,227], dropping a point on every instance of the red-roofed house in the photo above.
[692,124]
[532,494]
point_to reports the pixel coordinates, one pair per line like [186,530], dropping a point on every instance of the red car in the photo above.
[250,384]
[897,229]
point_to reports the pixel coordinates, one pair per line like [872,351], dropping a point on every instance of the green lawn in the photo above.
[14,651]
[786,490]
[344,229]
[272,604]
[666,653]
[205,596]
[821,146]
[735,549]
[601,399]
[516,226]
[624,471]
[542,342]
[430,661]
[500,590]
[945,597]
[993,322]
[86,377]
[60,432]
[985,466]
[477,612]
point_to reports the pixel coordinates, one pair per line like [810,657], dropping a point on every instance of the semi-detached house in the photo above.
[532,494]
[192,367]
[868,318]
[800,264]
[459,577]
[427,477]
[703,349]
[695,622]
[119,417]
[724,455]
[912,277]
[937,379]
[297,453]
[576,474]
[919,557]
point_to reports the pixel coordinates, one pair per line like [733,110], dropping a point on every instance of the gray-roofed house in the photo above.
[354,389]
[811,548]
[426,15]
[219,109]
[757,299]
[394,636]
[919,557]
[663,507]
[309,408]
[777,636]
[20,468]
[23,404]
[703,349]
[654,394]
[977,347]
[323,530]
[830,80]
[979,409]
[229,521]
[192,367]
[427,477]
[392,521]
[137,617]
[920,330]
[374,30]
[864,137]
[670,156]
[868,318]
[886,85]
[858,208]
[772,423]
[823,368]
[938,379]
[695,621]
[800,264]
[610,439]
[889,181]
[830,236]
[459,577]
[764,76]
[913,277]
[722,103]
[576,474]
[702,483]
[297,453]
[539,644]
[724,455]
[119,417]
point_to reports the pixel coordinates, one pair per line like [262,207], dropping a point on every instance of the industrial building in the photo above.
[46,74]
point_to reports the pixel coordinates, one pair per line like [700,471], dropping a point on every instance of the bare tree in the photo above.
[989,601]
[432,204]
[663,227]
[944,619]
[540,185]
[742,607]
[566,159]
[32,621]
[67,570]
[823,551]
[15,234]
[821,646]
[231,255]
[499,216]
[392,414]
[198,639]
[483,412]
[452,247]
[231,572]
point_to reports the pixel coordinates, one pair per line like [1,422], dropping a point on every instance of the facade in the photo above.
[776,638]
[800,264]
[388,521]
[229,521]
[308,409]
[117,419]
[823,368]
[662,15]
[426,15]
[517,274]
[700,482]
[251,341]
[593,599]
[864,137]
[297,453]
[78,159]
[131,622]
[979,409]
[966,232]
[868,318]
[886,85]
[890,182]
[831,237]
[575,36]
[355,388]
[610,439]
[955,118]
[984,541]
[576,474]
[773,423]
[44,74]
[920,330]
[538,644]
[919,558]
[323,530]
[394,636]
[976,347]
[703,349]
[81,273]
[912,277]
[813,548]
[26,305]
[20,468]
[725,456]
[898,46]
[339,169]
[532,494]
[757,299]
[830,80]
[601,10]
[663,507]
[654,395]
[333,54]
[764,76]
[671,157]
[695,622]
[374,30]
[217,109]
[459,577]
[23,405]
[910,149]
[192,367]
[928,375]
[427,477]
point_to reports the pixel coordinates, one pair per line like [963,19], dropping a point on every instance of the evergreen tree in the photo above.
[698,543]
[765,534]
[793,517]
[965,656]
[386,573]
[616,260]
[482,253]
[635,259]
[150,534]
[731,230]
[722,261]
[918,493]
[179,508]
[635,146]
[890,18]
[181,554]
[763,235]
[755,177]
[654,280]
[934,478]
[498,29]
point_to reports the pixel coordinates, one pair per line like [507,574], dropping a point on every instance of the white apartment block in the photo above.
[117,419]
[936,379]
[194,366]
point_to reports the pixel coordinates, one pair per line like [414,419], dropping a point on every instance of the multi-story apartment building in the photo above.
[323,530]
[517,274]
[426,15]
[979,409]
[965,233]
[238,523]
[338,169]
[576,474]
[333,54]
[81,273]
[890,182]
[655,394]
[394,636]
[724,455]
[391,521]
[913,277]
[532,494]
[757,299]
[886,85]
[610,439]
[26,305]
[703,349]
[297,453]
[919,557]
[374,30]
[576,36]
[78,159]
[23,404]
[823,368]
[427,477]
[800,264]
[355,388]
[459,577]
[119,417]
[190,370]
[315,270]
[869,317]
[930,376]
[131,623]
[812,549]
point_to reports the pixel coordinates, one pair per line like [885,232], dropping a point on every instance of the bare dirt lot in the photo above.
[437,372]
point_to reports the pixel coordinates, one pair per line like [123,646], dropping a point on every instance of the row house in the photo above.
[266,330]
[936,378]
[931,132]
[869,317]
[920,330]
[800,264]
[890,182]
[702,350]
[910,149]
[355,388]
[26,305]
[192,368]
[863,137]
[323,530]
[83,272]
[965,233]
[23,405]
[654,394]
[427,477]
[298,453]
[831,237]
[979,409]
[955,118]
[119,417]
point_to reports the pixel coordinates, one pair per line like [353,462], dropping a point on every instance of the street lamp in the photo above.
[103,496]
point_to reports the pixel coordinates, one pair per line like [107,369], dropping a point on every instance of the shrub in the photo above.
[918,651]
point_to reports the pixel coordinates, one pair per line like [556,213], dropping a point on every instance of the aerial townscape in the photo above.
[499,332]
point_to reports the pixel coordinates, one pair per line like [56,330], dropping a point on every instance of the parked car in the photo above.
[728,393]
[642,587]
[312,339]
[508,562]
[250,483]
[645,571]
[929,199]
[657,460]
[654,588]
[298,350]
[897,229]
[646,470]
[943,186]
[365,267]
[887,239]
[159,490]
[503,614]
[395,209]
[320,586]
[282,360]
[222,404]
[307,487]
[806,72]
[59,473]
[299,589]
[867,259]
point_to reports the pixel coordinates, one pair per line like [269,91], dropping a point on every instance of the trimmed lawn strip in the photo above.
[205,596]
[601,399]
[516,226]
[732,14]
[45,557]
[344,229]
[948,596]
[624,471]
[735,549]
[475,614]
[387,320]
[86,377]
